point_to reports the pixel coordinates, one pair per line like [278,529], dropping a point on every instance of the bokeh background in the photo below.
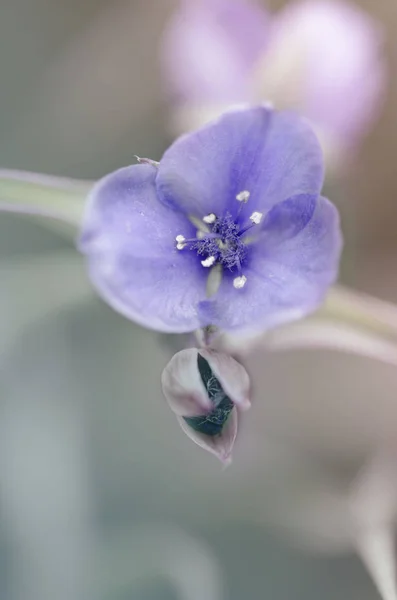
[101,495]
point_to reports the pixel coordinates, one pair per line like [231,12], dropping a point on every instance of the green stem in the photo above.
[356,308]
[57,201]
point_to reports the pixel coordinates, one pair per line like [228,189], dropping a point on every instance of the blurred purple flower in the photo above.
[204,389]
[210,47]
[227,230]
[321,57]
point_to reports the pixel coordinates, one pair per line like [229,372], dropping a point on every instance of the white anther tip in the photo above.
[256,217]
[239,282]
[211,218]
[208,262]
[180,242]
[243,196]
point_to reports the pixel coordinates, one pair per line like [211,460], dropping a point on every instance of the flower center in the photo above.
[220,241]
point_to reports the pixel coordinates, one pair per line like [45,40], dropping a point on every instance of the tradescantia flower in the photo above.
[205,389]
[311,56]
[227,230]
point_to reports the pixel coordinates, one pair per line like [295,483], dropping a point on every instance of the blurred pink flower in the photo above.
[320,57]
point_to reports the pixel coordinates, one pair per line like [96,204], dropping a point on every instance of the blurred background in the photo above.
[101,495]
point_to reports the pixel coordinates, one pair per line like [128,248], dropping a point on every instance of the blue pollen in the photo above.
[224,243]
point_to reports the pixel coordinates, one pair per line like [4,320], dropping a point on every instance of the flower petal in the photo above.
[182,385]
[129,239]
[232,376]
[209,47]
[273,155]
[221,445]
[289,272]
[305,236]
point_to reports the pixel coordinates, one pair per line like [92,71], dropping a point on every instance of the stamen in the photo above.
[256,218]
[219,243]
[211,218]
[180,242]
[239,282]
[243,196]
[208,262]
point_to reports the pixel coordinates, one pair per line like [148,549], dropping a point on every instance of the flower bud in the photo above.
[205,389]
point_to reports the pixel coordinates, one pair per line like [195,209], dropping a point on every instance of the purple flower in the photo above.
[228,229]
[204,389]
[312,56]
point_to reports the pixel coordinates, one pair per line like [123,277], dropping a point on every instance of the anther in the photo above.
[243,196]
[239,282]
[211,218]
[208,262]
[256,218]
[180,242]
